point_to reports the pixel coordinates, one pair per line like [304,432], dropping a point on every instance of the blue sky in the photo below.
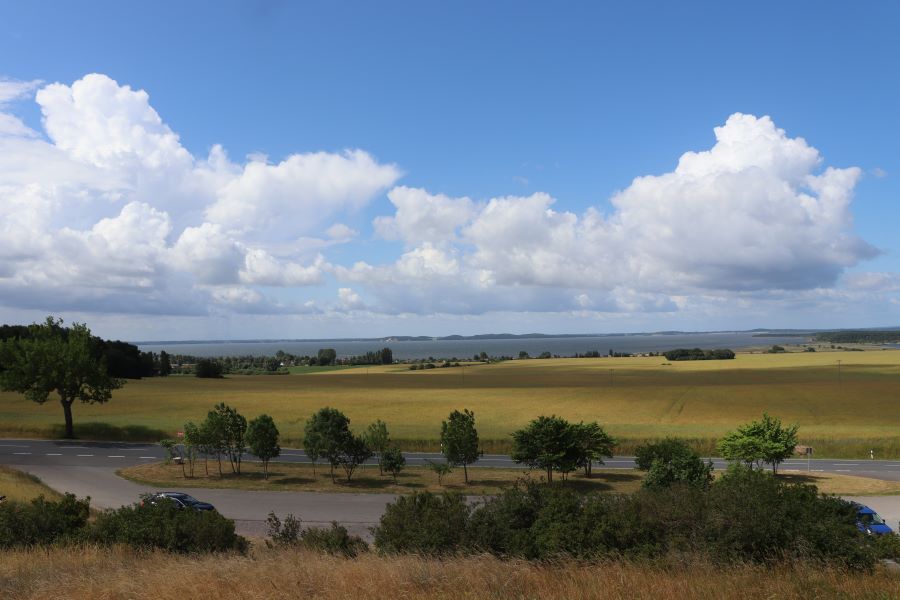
[488,143]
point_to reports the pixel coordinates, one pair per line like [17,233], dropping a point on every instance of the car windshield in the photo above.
[187,499]
[870,519]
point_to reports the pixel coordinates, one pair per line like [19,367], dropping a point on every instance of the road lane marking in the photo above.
[116,456]
[14,446]
[21,452]
[51,454]
[849,464]
[85,455]
[146,457]
[73,447]
[842,470]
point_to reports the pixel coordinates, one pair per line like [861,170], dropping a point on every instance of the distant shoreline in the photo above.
[491,336]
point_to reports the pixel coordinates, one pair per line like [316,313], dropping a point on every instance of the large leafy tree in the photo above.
[53,358]
[459,440]
[592,444]
[325,436]
[547,443]
[262,438]
[763,441]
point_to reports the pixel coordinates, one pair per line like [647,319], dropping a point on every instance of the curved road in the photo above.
[88,469]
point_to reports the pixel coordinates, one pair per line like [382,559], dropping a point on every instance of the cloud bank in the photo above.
[105,210]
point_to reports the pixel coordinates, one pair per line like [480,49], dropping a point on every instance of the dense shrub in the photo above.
[886,546]
[165,526]
[752,515]
[332,540]
[672,461]
[423,523]
[502,525]
[746,516]
[42,521]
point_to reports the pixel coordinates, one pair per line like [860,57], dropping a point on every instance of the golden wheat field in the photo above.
[90,573]
[840,412]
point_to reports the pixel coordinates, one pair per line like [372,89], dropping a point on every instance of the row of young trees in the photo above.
[226,432]
[548,443]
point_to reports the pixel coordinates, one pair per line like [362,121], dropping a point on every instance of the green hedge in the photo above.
[744,516]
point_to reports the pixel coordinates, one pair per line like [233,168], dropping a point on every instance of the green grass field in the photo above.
[635,398]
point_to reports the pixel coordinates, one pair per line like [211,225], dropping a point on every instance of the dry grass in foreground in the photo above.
[298,477]
[19,486]
[111,574]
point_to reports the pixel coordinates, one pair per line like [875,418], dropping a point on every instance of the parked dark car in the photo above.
[180,500]
[868,521]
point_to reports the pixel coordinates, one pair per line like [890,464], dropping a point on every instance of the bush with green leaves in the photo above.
[334,539]
[672,461]
[747,515]
[423,523]
[165,526]
[753,515]
[887,546]
[42,521]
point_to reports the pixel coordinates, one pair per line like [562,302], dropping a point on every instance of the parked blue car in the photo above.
[868,521]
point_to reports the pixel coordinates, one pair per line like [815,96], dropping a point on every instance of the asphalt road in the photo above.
[122,454]
[88,469]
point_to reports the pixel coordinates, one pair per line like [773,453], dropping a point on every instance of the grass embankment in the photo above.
[634,398]
[482,480]
[22,487]
[114,573]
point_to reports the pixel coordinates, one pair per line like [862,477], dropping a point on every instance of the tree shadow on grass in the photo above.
[372,483]
[93,430]
[799,478]
[289,480]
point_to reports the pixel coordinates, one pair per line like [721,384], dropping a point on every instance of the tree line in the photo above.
[698,354]
[120,359]
[860,337]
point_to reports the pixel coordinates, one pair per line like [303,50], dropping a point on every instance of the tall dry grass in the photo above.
[109,574]
[22,487]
